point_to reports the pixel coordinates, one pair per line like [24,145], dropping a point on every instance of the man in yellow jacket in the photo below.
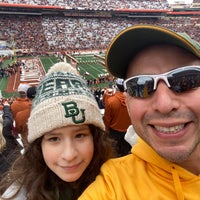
[161,69]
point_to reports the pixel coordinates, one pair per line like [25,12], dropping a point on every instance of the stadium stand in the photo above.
[41,34]
[95,4]
[86,28]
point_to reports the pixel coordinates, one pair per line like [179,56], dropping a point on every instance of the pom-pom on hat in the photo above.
[62,98]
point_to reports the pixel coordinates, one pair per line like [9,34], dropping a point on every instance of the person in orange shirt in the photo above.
[117,120]
[108,93]
[21,102]
[21,118]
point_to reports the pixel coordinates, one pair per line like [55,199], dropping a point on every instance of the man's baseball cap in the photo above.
[133,39]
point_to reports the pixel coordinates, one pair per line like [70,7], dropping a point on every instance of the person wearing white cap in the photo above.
[67,142]
[161,69]
[21,118]
[21,102]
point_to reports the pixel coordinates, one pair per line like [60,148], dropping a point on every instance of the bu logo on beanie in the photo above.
[72,111]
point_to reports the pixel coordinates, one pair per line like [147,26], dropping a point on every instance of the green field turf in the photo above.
[48,61]
[89,66]
[86,63]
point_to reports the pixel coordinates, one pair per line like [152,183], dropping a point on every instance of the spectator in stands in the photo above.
[110,91]
[21,102]
[117,120]
[161,69]
[21,118]
[44,37]
[67,141]
[9,147]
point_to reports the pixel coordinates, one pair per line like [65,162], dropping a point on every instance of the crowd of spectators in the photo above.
[53,33]
[96,4]
[11,69]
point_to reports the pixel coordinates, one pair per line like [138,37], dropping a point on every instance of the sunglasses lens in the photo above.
[178,80]
[184,80]
[140,86]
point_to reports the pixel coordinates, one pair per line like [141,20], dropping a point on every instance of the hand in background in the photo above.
[6,103]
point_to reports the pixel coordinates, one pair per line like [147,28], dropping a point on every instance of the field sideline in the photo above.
[89,66]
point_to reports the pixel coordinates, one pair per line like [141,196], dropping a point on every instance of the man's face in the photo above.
[168,121]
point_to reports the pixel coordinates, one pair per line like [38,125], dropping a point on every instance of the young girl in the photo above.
[67,141]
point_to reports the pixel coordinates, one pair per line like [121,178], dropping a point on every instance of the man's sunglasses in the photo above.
[178,80]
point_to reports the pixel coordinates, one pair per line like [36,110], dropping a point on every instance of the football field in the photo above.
[90,66]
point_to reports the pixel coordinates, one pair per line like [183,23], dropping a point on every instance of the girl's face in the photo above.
[68,151]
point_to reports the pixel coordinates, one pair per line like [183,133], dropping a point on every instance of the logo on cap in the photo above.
[73,111]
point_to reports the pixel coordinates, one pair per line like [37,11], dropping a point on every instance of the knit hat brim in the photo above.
[51,114]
